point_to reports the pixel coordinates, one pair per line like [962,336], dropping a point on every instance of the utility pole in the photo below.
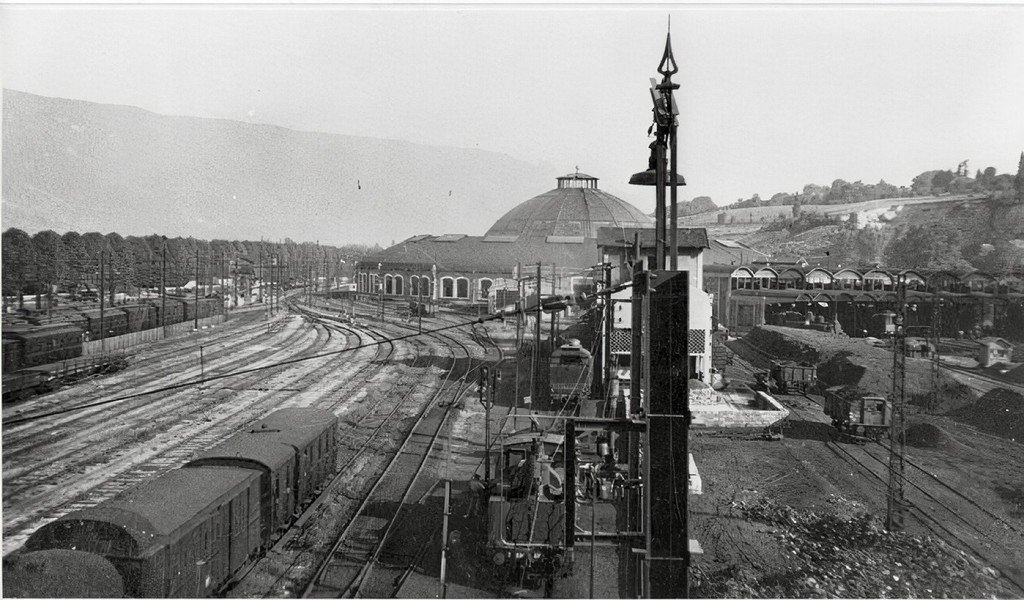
[163,285]
[936,361]
[554,290]
[894,497]
[196,309]
[103,330]
[535,366]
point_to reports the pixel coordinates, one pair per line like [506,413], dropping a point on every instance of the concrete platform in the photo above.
[738,408]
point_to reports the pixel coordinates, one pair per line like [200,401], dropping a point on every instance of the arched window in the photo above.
[462,287]
[389,284]
[484,287]
[742,279]
[426,287]
[414,284]
[447,287]
[399,285]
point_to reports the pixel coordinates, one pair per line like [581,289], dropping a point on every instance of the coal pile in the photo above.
[1000,412]
[851,557]
[926,435]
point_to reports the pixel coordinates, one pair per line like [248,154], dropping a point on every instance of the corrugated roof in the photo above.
[689,237]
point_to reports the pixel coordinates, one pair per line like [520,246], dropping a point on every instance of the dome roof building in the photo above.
[557,229]
[574,209]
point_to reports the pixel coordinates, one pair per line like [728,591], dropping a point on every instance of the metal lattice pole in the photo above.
[894,503]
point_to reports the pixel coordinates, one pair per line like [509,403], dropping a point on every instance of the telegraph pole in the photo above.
[894,497]
[163,285]
[103,329]
[196,310]
[535,366]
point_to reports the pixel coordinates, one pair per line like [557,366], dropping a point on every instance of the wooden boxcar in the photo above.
[792,377]
[314,434]
[35,345]
[183,534]
[114,323]
[276,464]
[858,412]
[294,449]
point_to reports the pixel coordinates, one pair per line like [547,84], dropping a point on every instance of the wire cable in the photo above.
[208,378]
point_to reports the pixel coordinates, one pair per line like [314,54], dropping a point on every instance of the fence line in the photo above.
[128,340]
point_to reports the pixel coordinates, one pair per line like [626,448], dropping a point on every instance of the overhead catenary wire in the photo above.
[204,380]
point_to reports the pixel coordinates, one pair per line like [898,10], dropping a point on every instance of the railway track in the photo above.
[375,445]
[976,529]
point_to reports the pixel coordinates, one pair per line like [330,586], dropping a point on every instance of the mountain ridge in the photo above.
[80,165]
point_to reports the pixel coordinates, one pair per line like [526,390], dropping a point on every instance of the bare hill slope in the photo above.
[74,165]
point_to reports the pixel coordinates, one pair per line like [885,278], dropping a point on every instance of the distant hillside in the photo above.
[74,165]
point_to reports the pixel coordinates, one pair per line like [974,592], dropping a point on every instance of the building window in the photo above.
[389,284]
[462,287]
[447,287]
[485,287]
[425,287]
[399,285]
[414,284]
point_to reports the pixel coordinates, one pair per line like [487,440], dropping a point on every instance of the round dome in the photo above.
[576,208]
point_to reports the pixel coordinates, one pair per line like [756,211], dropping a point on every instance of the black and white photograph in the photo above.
[414,299]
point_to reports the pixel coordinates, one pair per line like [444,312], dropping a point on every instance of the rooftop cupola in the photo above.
[577,180]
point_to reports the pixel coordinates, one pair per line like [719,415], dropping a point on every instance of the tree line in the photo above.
[928,183]
[49,262]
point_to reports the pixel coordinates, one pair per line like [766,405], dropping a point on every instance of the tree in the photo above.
[930,247]
[1018,181]
[52,264]
[19,263]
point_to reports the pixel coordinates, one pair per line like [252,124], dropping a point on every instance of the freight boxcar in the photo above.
[140,317]
[114,323]
[858,412]
[33,345]
[314,435]
[275,462]
[295,451]
[183,534]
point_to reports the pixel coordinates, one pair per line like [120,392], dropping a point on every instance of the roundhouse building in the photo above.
[557,229]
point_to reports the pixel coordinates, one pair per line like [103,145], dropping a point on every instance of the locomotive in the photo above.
[857,412]
[569,374]
[187,532]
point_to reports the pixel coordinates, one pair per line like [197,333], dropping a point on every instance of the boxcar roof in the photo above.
[171,500]
[297,426]
[256,447]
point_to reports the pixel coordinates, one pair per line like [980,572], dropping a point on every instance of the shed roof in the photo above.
[474,253]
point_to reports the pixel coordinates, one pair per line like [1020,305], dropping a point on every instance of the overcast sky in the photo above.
[772,98]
